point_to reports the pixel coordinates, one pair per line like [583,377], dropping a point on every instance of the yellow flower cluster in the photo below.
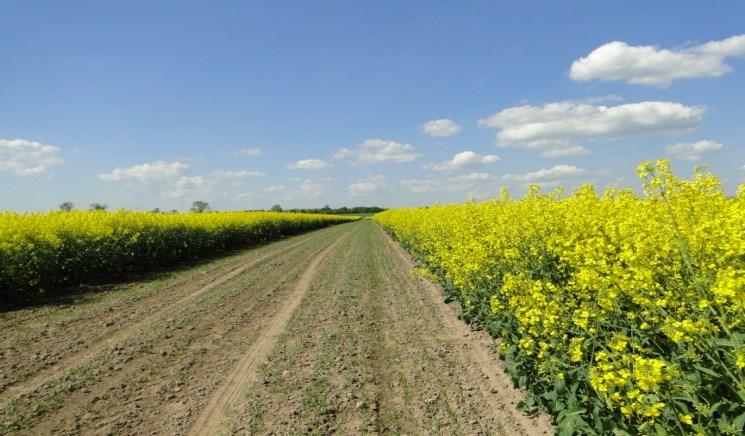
[638,299]
[45,250]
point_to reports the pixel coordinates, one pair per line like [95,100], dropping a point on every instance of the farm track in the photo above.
[47,357]
[324,333]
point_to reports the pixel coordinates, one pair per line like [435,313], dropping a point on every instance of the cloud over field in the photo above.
[651,65]
[375,151]
[367,185]
[440,128]
[27,158]
[146,173]
[572,150]
[464,159]
[561,124]
[242,174]
[557,172]
[249,152]
[693,151]
[315,188]
[309,164]
[172,179]
[463,183]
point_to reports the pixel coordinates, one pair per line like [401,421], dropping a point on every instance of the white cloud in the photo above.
[366,185]
[276,188]
[313,188]
[309,164]
[170,178]
[187,186]
[557,172]
[27,158]
[440,128]
[249,152]
[693,151]
[151,172]
[732,46]
[449,184]
[572,150]
[561,124]
[237,174]
[464,159]
[361,188]
[373,151]
[650,65]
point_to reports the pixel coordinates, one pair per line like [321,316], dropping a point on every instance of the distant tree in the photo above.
[276,208]
[156,210]
[66,206]
[98,206]
[200,206]
[326,209]
[174,210]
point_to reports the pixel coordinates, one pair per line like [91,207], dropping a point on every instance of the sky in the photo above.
[245,105]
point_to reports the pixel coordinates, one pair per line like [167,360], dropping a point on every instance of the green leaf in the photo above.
[660,430]
[707,371]
[739,422]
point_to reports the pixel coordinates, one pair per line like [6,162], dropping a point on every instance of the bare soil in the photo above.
[329,332]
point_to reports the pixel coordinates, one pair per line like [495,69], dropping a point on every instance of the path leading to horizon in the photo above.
[328,332]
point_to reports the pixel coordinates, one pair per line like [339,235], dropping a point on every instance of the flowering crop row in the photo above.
[42,251]
[619,314]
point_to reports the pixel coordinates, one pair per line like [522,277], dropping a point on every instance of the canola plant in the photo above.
[48,251]
[619,313]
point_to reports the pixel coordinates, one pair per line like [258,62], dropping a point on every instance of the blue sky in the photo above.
[248,104]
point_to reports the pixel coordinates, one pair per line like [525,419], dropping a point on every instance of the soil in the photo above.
[330,332]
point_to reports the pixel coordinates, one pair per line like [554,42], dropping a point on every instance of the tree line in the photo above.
[203,206]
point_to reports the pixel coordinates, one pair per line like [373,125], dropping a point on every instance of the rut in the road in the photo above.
[53,372]
[375,350]
[213,414]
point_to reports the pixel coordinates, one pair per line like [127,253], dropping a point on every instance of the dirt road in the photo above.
[328,332]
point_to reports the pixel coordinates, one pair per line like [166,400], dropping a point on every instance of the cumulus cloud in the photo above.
[361,188]
[373,151]
[168,177]
[187,186]
[561,124]
[276,188]
[27,158]
[558,172]
[172,178]
[249,152]
[309,164]
[449,184]
[572,150]
[693,151]
[464,159]
[650,65]
[243,174]
[314,188]
[366,185]
[440,128]
[150,172]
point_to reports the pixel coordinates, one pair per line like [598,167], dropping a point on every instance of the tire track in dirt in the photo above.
[213,414]
[369,352]
[497,387]
[159,380]
[50,373]
[37,338]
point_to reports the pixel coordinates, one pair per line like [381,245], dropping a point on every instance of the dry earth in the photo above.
[329,332]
